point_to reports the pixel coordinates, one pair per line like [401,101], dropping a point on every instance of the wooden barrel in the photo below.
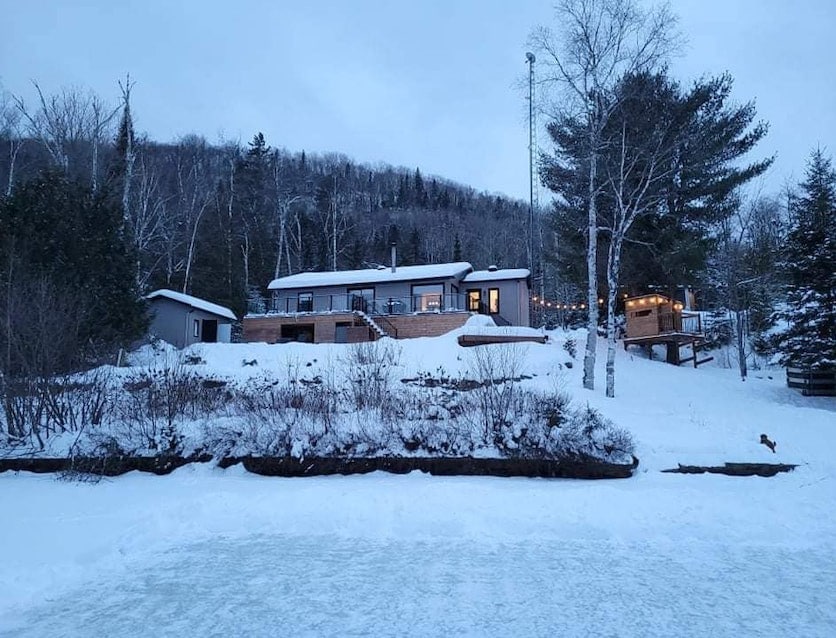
[812,382]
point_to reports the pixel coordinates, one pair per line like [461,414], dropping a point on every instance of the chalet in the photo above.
[182,320]
[351,306]
[657,319]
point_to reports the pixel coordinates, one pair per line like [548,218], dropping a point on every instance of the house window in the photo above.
[493,301]
[474,300]
[196,328]
[427,298]
[361,299]
[305,302]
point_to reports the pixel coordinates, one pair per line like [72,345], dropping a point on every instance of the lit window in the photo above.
[474,300]
[196,328]
[493,301]
[427,297]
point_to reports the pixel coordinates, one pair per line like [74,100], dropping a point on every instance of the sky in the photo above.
[435,84]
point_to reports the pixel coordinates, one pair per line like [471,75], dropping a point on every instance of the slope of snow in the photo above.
[207,551]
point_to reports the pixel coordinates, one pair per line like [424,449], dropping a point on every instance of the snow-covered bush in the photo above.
[587,434]
[369,369]
[495,398]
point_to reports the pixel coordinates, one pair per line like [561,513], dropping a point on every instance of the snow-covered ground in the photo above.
[212,552]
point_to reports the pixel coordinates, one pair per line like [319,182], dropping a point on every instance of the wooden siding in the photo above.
[268,328]
[427,325]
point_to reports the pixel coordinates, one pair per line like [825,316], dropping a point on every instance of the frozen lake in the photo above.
[286,585]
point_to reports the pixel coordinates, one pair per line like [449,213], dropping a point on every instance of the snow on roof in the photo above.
[497,275]
[371,276]
[194,302]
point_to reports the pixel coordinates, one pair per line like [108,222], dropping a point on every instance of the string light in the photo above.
[542,302]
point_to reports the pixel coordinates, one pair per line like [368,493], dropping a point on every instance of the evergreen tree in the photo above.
[457,248]
[810,263]
[58,231]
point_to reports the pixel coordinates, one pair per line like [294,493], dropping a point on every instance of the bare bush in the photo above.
[156,398]
[369,369]
[497,370]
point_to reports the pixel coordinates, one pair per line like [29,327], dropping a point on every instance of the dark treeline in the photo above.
[222,220]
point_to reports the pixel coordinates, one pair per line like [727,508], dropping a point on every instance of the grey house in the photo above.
[400,302]
[182,320]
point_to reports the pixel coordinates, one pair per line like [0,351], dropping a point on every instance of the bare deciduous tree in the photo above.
[596,43]
[67,123]
[12,134]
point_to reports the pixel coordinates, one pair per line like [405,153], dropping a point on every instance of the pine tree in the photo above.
[457,249]
[57,231]
[810,264]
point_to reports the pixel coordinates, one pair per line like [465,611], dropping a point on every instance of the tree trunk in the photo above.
[613,269]
[14,149]
[592,273]
[740,329]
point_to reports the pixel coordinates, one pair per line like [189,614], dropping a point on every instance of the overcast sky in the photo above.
[429,83]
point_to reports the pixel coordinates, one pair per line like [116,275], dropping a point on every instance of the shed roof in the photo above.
[194,302]
[371,276]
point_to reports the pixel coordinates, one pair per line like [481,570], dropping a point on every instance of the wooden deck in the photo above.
[673,342]
[484,340]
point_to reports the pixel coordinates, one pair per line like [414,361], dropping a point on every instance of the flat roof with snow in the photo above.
[497,275]
[371,276]
[194,302]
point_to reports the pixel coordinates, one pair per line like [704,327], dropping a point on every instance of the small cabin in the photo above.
[651,315]
[656,319]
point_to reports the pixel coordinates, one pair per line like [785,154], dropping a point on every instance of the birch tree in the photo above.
[596,43]
[11,135]
[661,143]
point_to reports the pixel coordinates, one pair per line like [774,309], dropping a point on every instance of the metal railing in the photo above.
[371,306]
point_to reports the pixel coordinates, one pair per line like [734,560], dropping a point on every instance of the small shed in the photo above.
[656,319]
[651,315]
[182,319]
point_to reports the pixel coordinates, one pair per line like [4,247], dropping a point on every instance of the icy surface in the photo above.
[211,552]
[283,586]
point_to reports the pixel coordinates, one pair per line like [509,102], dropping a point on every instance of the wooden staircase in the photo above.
[372,324]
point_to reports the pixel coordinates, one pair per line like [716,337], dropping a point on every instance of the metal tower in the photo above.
[532,161]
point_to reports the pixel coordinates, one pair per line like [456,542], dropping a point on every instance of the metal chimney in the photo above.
[394,257]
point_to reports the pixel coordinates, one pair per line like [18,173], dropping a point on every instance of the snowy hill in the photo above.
[209,551]
[703,416]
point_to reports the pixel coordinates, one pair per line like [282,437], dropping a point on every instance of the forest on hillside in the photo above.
[653,184]
[222,220]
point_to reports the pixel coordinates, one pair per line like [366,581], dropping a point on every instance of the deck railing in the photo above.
[371,306]
[689,322]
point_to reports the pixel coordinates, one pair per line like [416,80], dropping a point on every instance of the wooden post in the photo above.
[673,352]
